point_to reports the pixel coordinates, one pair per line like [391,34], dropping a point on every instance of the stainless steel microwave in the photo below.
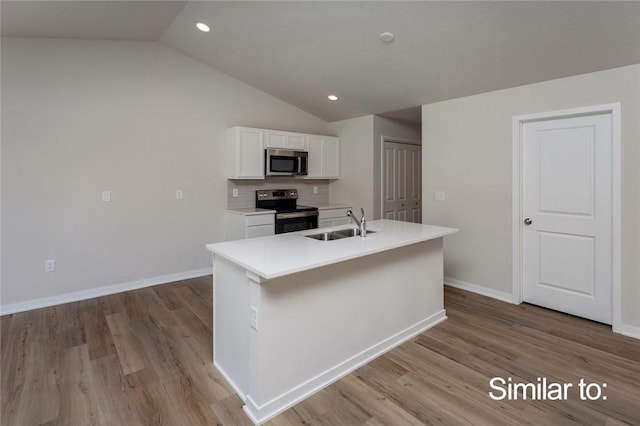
[285,162]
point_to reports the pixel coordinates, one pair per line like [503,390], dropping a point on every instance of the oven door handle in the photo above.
[295,215]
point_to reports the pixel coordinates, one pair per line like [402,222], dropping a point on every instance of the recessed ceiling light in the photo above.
[203,27]
[387,37]
[332,97]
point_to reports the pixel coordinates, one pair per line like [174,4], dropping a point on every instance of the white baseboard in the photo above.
[627,330]
[475,288]
[100,291]
[233,384]
[262,413]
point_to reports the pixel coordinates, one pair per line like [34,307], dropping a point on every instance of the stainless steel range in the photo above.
[290,216]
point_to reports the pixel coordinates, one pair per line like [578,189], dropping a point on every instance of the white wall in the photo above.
[356,163]
[136,118]
[467,154]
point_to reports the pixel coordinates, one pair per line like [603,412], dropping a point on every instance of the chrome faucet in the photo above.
[362,223]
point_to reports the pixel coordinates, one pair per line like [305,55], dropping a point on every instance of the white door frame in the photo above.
[616,209]
[384,139]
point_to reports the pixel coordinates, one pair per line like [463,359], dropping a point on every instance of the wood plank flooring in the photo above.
[145,357]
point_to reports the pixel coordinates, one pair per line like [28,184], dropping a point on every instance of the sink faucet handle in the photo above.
[363,224]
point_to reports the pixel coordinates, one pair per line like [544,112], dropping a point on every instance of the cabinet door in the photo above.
[275,139]
[325,223]
[249,154]
[260,230]
[345,221]
[296,141]
[331,157]
[324,157]
[333,217]
[315,157]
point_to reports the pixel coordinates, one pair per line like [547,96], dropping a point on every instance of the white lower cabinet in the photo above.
[240,226]
[259,231]
[333,217]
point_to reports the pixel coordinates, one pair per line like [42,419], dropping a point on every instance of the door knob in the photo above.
[528,221]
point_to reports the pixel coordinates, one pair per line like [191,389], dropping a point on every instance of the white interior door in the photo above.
[401,186]
[567,215]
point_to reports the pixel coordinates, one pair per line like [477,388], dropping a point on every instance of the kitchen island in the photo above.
[293,314]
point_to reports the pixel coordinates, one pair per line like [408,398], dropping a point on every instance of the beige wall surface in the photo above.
[136,118]
[393,129]
[360,146]
[467,153]
[356,164]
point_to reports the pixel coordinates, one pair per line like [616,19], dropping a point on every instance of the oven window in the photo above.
[296,224]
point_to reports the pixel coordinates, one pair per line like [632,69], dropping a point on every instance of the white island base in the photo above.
[279,340]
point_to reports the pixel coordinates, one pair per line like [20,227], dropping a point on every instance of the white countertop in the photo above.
[329,206]
[251,211]
[283,254]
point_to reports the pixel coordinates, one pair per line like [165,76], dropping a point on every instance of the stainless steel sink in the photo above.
[337,235]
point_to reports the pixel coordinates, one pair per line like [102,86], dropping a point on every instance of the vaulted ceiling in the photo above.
[303,51]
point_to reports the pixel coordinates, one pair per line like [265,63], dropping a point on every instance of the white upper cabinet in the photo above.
[246,145]
[245,153]
[288,140]
[331,157]
[324,157]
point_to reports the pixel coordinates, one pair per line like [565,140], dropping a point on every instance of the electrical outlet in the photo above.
[315,189]
[50,265]
[179,194]
[106,196]
[439,196]
[253,318]
[235,192]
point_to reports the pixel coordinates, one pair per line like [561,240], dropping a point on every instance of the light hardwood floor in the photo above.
[145,357]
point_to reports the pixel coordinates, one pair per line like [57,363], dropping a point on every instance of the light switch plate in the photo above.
[179,194]
[106,196]
[49,265]
[253,318]
[439,196]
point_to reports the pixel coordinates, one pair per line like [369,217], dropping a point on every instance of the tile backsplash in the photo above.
[247,191]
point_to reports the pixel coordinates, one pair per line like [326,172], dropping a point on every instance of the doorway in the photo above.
[566,218]
[401,180]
